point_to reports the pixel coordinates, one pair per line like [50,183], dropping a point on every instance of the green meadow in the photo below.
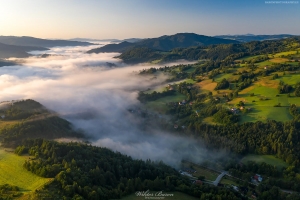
[290,79]
[220,77]
[13,173]
[160,104]
[262,104]
[269,159]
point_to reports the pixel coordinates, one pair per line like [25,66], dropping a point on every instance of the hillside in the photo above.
[87,172]
[7,51]
[250,37]
[121,47]
[29,119]
[212,52]
[182,40]
[31,41]
[166,43]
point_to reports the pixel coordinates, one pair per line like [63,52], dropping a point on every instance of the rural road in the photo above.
[218,179]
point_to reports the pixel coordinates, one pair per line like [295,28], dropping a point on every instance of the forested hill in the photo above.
[28,119]
[121,47]
[86,172]
[182,40]
[166,43]
[212,52]
[250,37]
[31,41]
[7,51]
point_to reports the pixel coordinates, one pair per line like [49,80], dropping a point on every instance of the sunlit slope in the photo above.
[13,173]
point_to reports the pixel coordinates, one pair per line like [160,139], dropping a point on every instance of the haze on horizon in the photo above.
[103,19]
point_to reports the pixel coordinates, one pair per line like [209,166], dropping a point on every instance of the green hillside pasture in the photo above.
[13,173]
[247,58]
[264,63]
[160,104]
[269,159]
[285,53]
[263,113]
[201,171]
[226,180]
[220,77]
[261,110]
[279,60]
[187,80]
[157,89]
[176,196]
[290,79]
[191,70]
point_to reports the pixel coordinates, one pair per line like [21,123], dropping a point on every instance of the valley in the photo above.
[218,122]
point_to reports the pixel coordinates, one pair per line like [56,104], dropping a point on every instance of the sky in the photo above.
[120,19]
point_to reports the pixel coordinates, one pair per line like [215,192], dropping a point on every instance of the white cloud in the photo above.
[95,98]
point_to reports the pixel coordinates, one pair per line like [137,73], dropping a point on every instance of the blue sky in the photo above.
[104,19]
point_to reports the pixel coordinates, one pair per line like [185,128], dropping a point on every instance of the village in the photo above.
[200,174]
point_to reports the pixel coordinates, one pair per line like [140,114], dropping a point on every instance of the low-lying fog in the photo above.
[86,90]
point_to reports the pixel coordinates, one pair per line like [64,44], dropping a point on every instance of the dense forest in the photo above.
[165,43]
[32,120]
[83,171]
[220,52]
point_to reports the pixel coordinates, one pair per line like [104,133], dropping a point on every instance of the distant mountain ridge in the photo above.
[121,47]
[31,41]
[251,37]
[132,40]
[166,43]
[7,51]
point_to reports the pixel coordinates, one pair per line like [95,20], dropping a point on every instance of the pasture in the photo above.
[13,173]
[226,180]
[207,85]
[160,104]
[263,102]
[220,77]
[290,79]
[269,159]
[201,171]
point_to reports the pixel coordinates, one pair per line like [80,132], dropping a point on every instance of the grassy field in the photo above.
[157,89]
[12,172]
[176,196]
[192,69]
[160,104]
[264,109]
[187,80]
[228,181]
[207,85]
[290,79]
[278,60]
[269,159]
[285,53]
[209,175]
[220,77]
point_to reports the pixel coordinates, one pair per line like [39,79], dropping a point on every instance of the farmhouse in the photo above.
[257,177]
[198,182]
[183,102]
